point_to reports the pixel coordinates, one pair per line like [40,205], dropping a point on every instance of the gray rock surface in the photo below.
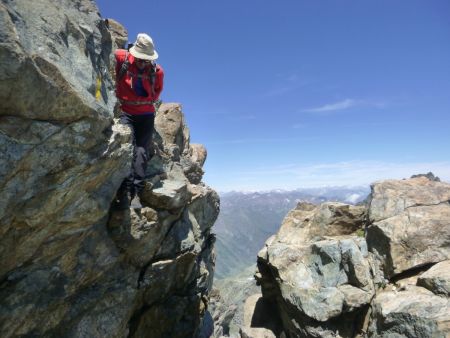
[409,223]
[437,279]
[415,312]
[256,332]
[118,32]
[70,266]
[318,281]
[228,300]
[260,318]
[312,223]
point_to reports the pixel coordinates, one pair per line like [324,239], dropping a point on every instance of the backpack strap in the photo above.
[124,68]
[152,76]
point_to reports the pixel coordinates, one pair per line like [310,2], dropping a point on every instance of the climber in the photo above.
[139,82]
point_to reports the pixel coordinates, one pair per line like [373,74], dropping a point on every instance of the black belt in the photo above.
[137,103]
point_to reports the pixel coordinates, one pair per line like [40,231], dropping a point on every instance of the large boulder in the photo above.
[437,279]
[411,313]
[320,283]
[409,223]
[310,222]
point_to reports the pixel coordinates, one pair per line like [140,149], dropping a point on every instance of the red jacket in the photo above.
[131,103]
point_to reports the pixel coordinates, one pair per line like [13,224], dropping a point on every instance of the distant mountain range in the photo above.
[248,219]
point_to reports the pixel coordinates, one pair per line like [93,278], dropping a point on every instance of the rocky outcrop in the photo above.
[317,280]
[414,312]
[437,279]
[170,241]
[409,224]
[340,270]
[71,267]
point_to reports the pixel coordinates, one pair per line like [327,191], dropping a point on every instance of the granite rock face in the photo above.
[71,266]
[366,271]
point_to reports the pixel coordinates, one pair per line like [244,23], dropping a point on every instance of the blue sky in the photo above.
[298,93]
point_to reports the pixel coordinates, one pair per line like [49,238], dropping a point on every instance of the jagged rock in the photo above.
[198,154]
[222,315]
[437,279]
[315,278]
[182,237]
[71,267]
[428,175]
[256,332]
[119,37]
[260,318]
[319,271]
[172,245]
[61,163]
[322,274]
[54,136]
[171,127]
[138,235]
[318,282]
[193,163]
[163,277]
[415,312]
[228,301]
[168,195]
[409,223]
[175,155]
[204,205]
[311,222]
[118,32]
[392,197]
[63,49]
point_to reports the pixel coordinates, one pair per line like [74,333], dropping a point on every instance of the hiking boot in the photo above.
[122,201]
[136,202]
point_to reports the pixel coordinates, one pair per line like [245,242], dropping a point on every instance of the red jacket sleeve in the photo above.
[159,81]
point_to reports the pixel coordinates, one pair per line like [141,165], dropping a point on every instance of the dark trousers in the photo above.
[142,131]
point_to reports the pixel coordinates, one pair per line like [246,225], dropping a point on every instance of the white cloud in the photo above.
[341,105]
[351,173]
[347,104]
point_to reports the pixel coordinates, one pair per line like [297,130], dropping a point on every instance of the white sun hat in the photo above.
[144,48]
